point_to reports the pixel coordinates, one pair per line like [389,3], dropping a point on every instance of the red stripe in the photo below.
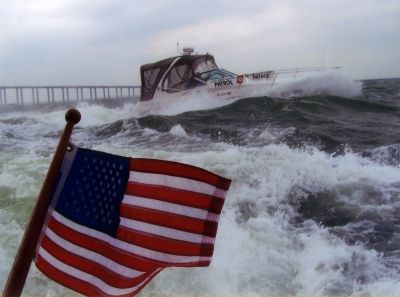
[163,244]
[182,197]
[178,169]
[91,267]
[118,255]
[103,248]
[76,284]
[169,220]
[66,279]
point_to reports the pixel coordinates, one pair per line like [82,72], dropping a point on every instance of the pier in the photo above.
[35,95]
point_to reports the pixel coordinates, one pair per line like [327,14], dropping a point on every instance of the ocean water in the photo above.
[314,205]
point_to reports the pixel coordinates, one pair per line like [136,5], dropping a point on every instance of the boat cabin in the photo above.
[179,73]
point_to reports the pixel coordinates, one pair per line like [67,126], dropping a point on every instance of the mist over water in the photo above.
[313,208]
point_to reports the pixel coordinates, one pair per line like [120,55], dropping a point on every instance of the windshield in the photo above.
[204,65]
[206,69]
[215,74]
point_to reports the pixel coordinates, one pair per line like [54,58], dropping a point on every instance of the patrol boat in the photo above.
[190,75]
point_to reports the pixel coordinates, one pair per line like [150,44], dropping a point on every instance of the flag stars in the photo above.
[96,189]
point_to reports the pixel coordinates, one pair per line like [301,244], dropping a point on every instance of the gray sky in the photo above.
[105,42]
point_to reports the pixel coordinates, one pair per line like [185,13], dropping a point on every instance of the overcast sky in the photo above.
[105,42]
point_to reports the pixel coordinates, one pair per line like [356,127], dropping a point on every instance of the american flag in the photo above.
[115,222]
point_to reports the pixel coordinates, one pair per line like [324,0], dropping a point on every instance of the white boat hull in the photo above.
[178,84]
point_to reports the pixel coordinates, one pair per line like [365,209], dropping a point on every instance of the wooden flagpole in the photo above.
[26,251]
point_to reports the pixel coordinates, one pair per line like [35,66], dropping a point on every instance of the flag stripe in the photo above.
[171,182]
[165,232]
[92,267]
[178,196]
[87,280]
[164,245]
[91,256]
[172,208]
[179,170]
[88,240]
[66,280]
[115,254]
[160,218]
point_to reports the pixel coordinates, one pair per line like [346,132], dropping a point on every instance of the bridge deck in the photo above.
[29,95]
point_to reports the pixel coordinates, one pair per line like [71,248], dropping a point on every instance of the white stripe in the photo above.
[169,207]
[133,249]
[91,279]
[175,182]
[166,232]
[220,193]
[95,257]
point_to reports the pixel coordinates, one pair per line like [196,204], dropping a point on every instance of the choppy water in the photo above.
[314,206]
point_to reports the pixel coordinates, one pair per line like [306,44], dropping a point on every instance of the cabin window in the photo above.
[150,78]
[178,76]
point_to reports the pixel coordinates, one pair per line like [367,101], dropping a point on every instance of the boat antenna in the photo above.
[177,48]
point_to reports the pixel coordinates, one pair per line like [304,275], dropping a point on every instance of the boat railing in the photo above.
[296,71]
[304,69]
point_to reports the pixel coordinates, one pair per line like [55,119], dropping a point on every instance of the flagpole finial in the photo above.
[73,115]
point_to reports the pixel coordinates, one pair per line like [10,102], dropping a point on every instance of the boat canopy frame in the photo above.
[175,74]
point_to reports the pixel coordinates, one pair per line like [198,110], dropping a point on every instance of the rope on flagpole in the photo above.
[26,252]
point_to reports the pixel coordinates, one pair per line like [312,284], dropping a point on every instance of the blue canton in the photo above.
[94,189]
